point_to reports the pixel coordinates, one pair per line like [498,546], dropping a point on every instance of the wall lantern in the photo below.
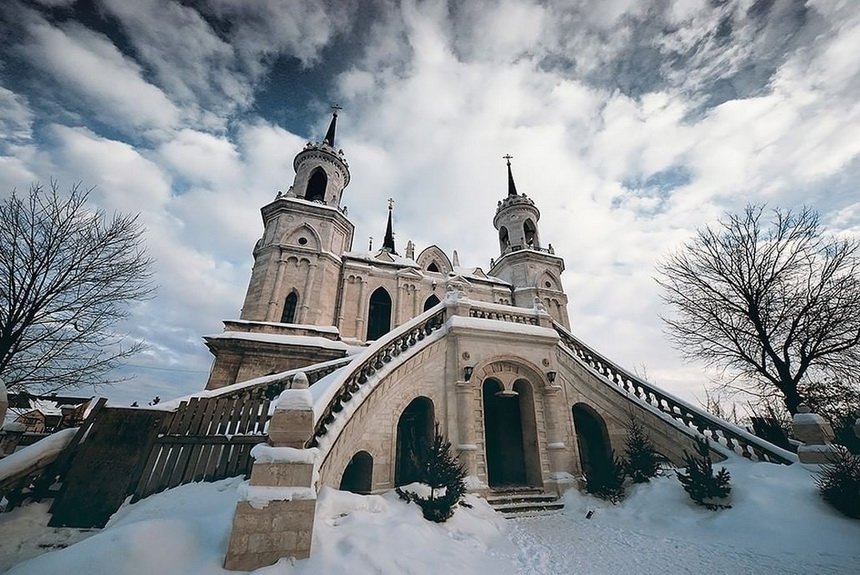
[550,375]
[467,372]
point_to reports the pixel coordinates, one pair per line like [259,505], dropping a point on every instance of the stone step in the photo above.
[523,502]
[524,498]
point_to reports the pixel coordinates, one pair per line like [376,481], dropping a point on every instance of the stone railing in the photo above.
[509,314]
[378,354]
[718,431]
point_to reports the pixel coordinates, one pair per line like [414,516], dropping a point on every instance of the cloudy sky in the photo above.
[631,124]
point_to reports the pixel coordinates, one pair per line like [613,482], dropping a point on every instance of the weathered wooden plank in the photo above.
[262,418]
[146,474]
[197,420]
[208,416]
[227,404]
[247,410]
[99,476]
[180,413]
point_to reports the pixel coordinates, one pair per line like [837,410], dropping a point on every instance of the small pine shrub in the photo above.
[446,478]
[607,481]
[839,482]
[700,482]
[641,461]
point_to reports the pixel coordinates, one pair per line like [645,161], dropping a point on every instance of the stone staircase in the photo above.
[523,501]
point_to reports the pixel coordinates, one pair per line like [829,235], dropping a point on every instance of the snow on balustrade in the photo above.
[723,433]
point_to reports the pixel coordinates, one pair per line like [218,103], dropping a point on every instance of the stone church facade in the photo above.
[418,339]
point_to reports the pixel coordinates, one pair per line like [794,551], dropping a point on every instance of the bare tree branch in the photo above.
[767,301]
[67,276]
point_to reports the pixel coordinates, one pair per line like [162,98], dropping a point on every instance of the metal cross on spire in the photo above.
[390,203]
[512,188]
[336,108]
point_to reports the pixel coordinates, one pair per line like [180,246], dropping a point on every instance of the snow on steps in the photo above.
[523,501]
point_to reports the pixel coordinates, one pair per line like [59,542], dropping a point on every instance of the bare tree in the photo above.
[769,302]
[67,277]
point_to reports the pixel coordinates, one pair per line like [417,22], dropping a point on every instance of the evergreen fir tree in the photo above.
[700,482]
[641,462]
[445,476]
[606,480]
[839,482]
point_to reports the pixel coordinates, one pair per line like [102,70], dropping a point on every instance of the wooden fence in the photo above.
[206,439]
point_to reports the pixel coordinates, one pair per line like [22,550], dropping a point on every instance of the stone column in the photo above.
[465,426]
[359,317]
[272,312]
[275,514]
[306,296]
[816,434]
[555,435]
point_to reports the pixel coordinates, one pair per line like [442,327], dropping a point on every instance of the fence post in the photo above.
[274,517]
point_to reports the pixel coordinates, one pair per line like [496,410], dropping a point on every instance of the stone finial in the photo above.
[410,250]
[456,260]
[300,381]
[816,434]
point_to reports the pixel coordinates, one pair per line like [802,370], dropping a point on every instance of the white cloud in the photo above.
[107,82]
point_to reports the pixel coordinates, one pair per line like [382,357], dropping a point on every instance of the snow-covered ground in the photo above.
[777,524]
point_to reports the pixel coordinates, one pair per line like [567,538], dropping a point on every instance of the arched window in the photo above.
[433,267]
[430,302]
[504,240]
[530,232]
[290,304]
[316,186]
[379,314]
[414,438]
[358,475]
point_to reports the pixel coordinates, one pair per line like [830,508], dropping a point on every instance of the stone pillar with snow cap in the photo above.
[275,514]
[816,435]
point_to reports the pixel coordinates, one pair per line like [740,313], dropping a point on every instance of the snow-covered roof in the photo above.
[305,326]
[383,257]
[305,340]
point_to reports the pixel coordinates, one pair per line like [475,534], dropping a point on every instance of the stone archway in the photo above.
[595,452]
[414,437]
[510,432]
[358,475]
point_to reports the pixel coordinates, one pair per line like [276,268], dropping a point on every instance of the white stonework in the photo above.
[478,351]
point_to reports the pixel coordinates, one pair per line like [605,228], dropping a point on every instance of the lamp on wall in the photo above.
[467,372]
[550,375]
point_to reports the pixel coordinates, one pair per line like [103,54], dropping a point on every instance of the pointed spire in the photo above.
[388,242]
[512,188]
[329,135]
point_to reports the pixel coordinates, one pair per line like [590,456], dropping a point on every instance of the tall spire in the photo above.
[329,135]
[388,242]
[512,188]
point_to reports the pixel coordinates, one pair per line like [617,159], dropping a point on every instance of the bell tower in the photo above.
[534,271]
[297,261]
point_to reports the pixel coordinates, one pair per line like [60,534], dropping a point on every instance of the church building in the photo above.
[400,340]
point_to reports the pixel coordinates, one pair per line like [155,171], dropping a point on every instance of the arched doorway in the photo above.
[316,186]
[414,437]
[503,431]
[379,314]
[290,305]
[358,475]
[430,302]
[595,453]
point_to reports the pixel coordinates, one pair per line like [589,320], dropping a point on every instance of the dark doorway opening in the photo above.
[595,452]
[503,432]
[430,302]
[414,438]
[379,314]
[316,186]
[358,475]
[290,305]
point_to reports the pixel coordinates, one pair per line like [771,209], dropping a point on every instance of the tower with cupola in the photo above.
[297,261]
[533,270]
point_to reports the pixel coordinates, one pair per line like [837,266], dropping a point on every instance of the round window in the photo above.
[303,241]
[547,284]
